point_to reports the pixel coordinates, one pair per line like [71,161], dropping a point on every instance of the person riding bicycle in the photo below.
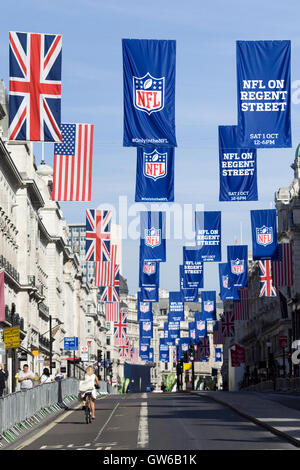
[87,386]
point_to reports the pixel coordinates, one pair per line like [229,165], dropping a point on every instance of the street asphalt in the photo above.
[153,421]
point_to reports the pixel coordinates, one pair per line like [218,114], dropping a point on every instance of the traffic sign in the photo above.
[71,343]
[11,337]
[283,342]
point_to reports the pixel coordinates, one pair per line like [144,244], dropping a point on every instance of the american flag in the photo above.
[135,355]
[120,329]
[35,86]
[218,337]
[72,173]
[241,307]
[97,235]
[105,271]
[112,311]
[282,271]
[112,293]
[227,321]
[203,348]
[267,288]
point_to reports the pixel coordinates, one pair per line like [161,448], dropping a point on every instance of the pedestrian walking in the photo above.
[26,378]
[18,385]
[3,378]
[46,377]
[58,376]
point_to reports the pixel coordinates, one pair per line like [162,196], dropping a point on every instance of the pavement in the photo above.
[155,421]
[279,413]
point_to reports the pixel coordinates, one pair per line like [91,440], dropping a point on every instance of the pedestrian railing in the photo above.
[22,409]
[281,385]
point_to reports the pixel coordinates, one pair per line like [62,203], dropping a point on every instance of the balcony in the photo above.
[44,342]
[44,310]
[4,263]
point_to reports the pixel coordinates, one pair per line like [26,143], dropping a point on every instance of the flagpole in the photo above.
[43,153]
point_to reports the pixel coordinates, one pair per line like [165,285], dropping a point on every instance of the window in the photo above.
[108,340]
[89,326]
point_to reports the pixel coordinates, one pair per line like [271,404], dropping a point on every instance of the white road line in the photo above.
[106,423]
[143,433]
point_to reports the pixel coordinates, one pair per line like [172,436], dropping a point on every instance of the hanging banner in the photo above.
[192,331]
[218,354]
[176,306]
[192,268]
[163,351]
[227,289]
[149,92]
[238,172]
[208,304]
[189,295]
[264,93]
[174,329]
[208,235]
[144,309]
[201,326]
[264,234]
[144,352]
[149,294]
[146,329]
[153,236]
[155,175]
[149,273]
[183,346]
[237,257]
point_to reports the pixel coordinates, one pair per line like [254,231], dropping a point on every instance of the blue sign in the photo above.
[237,257]
[208,304]
[153,236]
[149,92]
[176,306]
[163,350]
[155,175]
[144,309]
[192,270]
[264,234]
[208,235]
[174,328]
[227,289]
[146,329]
[149,273]
[238,172]
[71,343]
[264,93]
[149,294]
[189,294]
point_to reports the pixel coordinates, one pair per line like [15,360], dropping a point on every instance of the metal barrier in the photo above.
[103,388]
[21,406]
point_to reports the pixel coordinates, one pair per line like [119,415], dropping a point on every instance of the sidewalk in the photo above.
[268,413]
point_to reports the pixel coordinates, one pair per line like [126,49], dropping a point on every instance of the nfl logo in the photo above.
[225,281]
[237,266]
[144,307]
[184,347]
[143,348]
[149,93]
[149,268]
[152,237]
[201,325]
[155,165]
[146,326]
[208,306]
[264,235]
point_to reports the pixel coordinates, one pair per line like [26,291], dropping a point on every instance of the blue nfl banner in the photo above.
[227,289]
[176,306]
[189,294]
[154,175]
[153,236]
[208,304]
[149,294]
[144,352]
[149,273]
[238,170]
[237,257]
[146,329]
[218,355]
[149,92]
[208,235]
[174,329]
[163,350]
[192,332]
[264,93]
[264,234]
[183,346]
[192,270]
[151,355]
[200,326]
[144,309]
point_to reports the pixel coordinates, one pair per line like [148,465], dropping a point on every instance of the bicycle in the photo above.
[87,409]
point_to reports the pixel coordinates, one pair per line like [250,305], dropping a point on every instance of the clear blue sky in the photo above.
[205,98]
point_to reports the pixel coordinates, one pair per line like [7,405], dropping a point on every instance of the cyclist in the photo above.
[88,386]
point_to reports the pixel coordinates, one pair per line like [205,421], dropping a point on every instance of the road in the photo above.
[153,421]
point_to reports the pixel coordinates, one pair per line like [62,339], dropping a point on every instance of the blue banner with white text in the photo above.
[208,235]
[193,269]
[149,273]
[189,294]
[149,92]
[264,93]
[238,172]
[264,234]
[227,289]
[153,236]
[208,304]
[237,257]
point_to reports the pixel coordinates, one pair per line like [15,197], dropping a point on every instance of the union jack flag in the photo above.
[105,271]
[35,86]
[266,281]
[203,349]
[123,350]
[120,329]
[227,321]
[97,235]
[112,311]
[112,293]
[218,337]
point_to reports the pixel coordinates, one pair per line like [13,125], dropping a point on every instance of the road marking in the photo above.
[106,423]
[143,433]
